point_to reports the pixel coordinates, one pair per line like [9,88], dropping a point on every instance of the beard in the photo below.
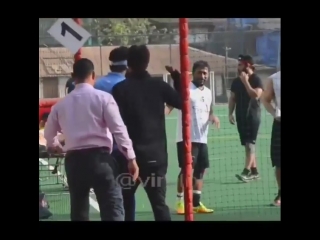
[198,82]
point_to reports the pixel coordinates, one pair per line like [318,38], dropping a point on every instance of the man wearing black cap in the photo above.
[245,98]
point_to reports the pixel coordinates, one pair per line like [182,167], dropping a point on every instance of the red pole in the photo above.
[77,56]
[186,117]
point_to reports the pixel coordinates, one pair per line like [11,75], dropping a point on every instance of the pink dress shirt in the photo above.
[88,117]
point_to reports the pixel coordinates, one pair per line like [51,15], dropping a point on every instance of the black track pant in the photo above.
[93,168]
[153,180]
[276,144]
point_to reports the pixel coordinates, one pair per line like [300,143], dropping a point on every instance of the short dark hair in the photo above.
[82,69]
[117,55]
[200,64]
[138,57]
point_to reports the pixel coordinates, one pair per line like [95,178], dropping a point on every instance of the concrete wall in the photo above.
[40,88]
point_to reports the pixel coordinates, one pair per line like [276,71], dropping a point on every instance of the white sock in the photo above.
[180,196]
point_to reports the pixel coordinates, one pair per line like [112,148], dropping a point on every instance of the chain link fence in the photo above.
[220,47]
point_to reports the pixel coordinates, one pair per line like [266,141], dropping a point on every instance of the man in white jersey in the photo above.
[273,93]
[202,115]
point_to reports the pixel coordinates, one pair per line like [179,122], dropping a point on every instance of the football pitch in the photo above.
[232,200]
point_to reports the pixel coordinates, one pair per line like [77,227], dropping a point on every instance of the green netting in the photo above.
[231,199]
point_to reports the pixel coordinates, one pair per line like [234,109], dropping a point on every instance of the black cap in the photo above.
[246,58]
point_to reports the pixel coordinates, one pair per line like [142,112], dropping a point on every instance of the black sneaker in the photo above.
[244,177]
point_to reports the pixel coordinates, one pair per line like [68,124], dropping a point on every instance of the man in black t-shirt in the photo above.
[245,98]
[141,102]
[70,85]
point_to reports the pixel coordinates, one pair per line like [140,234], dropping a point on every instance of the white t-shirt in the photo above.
[200,101]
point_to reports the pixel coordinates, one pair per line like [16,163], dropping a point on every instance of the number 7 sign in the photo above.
[69,34]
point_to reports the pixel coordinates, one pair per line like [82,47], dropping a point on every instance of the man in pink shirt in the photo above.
[88,118]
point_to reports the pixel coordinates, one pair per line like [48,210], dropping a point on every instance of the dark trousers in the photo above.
[93,168]
[123,169]
[153,179]
[276,144]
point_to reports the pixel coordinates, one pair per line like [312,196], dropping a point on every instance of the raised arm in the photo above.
[254,89]
[117,128]
[175,75]
[171,97]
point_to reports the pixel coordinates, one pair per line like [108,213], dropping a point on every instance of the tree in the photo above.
[121,31]
[126,31]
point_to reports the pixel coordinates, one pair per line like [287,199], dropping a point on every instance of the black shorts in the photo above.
[276,144]
[199,153]
[248,130]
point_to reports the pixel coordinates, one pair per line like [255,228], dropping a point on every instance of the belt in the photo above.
[88,150]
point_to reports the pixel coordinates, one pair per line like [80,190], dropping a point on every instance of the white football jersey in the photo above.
[200,102]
